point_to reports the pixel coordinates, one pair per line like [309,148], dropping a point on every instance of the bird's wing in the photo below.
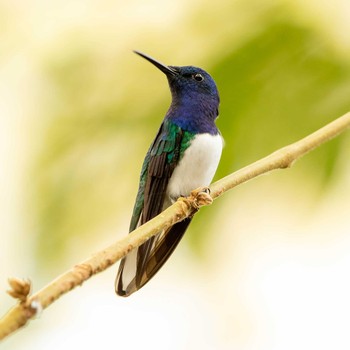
[140,265]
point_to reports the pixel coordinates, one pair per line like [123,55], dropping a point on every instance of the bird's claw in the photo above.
[198,198]
[201,197]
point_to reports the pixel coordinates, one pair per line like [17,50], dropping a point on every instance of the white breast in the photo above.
[197,167]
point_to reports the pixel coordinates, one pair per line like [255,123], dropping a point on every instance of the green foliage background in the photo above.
[263,268]
[277,83]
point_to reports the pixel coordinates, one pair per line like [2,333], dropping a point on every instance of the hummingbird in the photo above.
[183,156]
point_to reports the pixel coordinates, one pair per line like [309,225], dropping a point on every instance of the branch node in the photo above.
[20,288]
[288,155]
[35,308]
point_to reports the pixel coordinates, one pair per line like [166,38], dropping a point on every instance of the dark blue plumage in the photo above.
[195,103]
[183,157]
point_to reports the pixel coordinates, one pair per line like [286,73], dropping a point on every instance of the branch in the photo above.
[29,306]
[282,158]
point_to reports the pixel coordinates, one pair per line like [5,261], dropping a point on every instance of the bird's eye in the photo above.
[198,77]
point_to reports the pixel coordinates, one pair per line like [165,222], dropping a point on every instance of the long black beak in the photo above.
[165,69]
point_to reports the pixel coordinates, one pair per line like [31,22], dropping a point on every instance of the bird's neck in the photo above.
[196,114]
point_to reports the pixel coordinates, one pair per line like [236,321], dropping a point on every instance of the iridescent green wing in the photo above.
[158,166]
[160,162]
[164,156]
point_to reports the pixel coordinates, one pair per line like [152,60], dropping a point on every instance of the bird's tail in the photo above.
[141,264]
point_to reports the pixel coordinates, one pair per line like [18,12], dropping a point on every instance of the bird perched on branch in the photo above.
[183,156]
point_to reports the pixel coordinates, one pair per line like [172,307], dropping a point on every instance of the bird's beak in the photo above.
[165,69]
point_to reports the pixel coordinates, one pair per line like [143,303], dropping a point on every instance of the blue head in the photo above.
[194,93]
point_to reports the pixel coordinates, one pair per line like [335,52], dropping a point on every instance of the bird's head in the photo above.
[187,82]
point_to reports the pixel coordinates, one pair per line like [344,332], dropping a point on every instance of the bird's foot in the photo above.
[198,198]
[201,197]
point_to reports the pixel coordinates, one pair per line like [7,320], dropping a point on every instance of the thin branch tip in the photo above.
[20,288]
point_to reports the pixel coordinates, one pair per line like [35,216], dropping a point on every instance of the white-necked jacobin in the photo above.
[183,157]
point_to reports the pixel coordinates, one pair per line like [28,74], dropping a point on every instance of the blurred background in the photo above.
[267,266]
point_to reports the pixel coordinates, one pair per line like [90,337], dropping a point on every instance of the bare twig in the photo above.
[282,158]
[28,307]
